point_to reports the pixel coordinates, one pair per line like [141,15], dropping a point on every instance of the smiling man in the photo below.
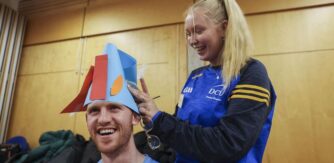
[110,109]
[110,127]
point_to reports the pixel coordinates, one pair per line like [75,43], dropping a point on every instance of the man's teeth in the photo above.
[106,131]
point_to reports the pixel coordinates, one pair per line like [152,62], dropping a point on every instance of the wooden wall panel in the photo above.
[304,118]
[132,15]
[156,50]
[291,31]
[181,59]
[257,6]
[38,102]
[60,26]
[295,45]
[148,46]
[49,58]
[47,82]
[32,8]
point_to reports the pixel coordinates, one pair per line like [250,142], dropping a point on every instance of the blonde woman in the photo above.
[226,108]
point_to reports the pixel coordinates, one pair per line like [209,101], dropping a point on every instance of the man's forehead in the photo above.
[103,103]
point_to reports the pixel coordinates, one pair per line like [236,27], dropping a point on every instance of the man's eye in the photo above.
[93,110]
[113,108]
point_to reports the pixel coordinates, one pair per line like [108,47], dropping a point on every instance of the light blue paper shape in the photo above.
[119,63]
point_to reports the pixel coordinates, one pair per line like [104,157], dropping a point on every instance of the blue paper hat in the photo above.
[108,81]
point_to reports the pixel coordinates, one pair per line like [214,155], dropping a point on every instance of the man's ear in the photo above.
[86,107]
[135,118]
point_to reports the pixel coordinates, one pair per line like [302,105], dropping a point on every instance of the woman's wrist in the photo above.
[156,115]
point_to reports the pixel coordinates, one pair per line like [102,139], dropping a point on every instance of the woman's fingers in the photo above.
[133,91]
[143,85]
[143,111]
[144,108]
[139,96]
[146,105]
[145,115]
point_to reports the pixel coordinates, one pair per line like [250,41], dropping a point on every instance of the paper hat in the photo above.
[108,81]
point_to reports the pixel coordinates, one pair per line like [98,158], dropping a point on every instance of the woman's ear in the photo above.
[224,27]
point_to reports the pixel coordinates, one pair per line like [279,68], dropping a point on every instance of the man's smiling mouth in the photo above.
[108,131]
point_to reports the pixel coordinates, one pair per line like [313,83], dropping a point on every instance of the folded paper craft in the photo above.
[108,81]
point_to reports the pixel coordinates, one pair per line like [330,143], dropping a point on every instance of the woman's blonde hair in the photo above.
[238,42]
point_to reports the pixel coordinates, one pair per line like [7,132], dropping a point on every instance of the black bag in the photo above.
[8,150]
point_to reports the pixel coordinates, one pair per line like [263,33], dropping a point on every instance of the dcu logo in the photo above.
[216,92]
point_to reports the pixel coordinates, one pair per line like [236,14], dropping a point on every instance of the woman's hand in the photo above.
[146,105]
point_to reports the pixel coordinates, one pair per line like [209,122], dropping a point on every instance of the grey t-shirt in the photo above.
[147,159]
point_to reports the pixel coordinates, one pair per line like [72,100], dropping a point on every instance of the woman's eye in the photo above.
[198,31]
[188,34]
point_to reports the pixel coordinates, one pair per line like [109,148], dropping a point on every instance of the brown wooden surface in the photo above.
[259,6]
[297,48]
[293,31]
[132,15]
[46,84]
[295,45]
[60,26]
[304,118]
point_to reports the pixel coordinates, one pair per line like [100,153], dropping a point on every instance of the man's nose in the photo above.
[104,117]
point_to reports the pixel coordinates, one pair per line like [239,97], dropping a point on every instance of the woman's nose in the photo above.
[193,40]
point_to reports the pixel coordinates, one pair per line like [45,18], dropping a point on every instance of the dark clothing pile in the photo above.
[60,146]
[65,147]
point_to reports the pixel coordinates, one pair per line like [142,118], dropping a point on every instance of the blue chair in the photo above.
[24,145]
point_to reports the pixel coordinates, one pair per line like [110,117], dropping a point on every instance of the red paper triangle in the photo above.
[77,104]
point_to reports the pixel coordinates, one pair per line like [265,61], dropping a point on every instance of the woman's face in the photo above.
[205,36]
